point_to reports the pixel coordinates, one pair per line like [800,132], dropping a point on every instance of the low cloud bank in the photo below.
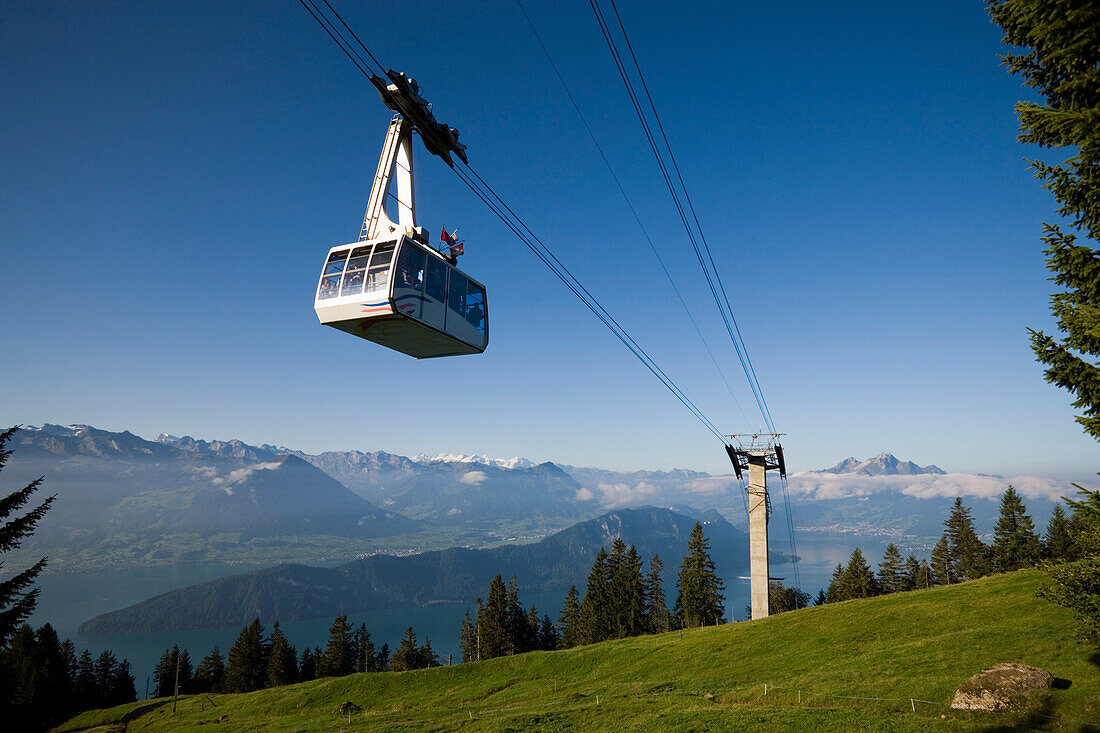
[813,485]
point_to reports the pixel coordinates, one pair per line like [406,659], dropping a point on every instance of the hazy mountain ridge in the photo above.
[294,592]
[111,484]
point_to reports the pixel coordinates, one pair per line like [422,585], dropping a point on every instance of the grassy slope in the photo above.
[920,644]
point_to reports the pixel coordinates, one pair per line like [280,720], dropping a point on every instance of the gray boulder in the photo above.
[1001,687]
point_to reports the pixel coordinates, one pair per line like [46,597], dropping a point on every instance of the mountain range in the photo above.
[294,592]
[125,500]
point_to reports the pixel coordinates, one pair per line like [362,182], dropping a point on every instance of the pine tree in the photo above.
[210,674]
[835,593]
[362,649]
[627,590]
[548,635]
[912,567]
[891,571]
[467,639]
[969,555]
[1058,543]
[532,629]
[339,659]
[570,621]
[307,666]
[657,619]
[822,598]
[407,655]
[165,673]
[1061,44]
[783,598]
[858,581]
[1015,544]
[84,683]
[1076,585]
[492,621]
[699,601]
[17,598]
[382,661]
[426,657]
[923,577]
[246,670]
[282,663]
[517,632]
[943,565]
[595,620]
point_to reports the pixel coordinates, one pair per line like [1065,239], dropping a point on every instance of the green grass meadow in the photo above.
[915,646]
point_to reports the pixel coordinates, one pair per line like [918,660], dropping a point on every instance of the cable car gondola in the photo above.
[403,295]
[391,287]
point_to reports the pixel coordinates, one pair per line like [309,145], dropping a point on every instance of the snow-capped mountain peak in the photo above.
[884,464]
[508,463]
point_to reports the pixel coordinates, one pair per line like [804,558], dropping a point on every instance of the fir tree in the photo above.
[165,677]
[84,682]
[627,591]
[516,630]
[532,629]
[382,661]
[699,600]
[339,659]
[858,581]
[307,666]
[17,598]
[548,635]
[570,621]
[943,566]
[656,607]
[1015,544]
[468,639]
[912,568]
[1058,543]
[922,578]
[1076,585]
[492,622]
[210,674]
[426,657]
[835,592]
[246,670]
[891,571]
[821,598]
[282,663]
[407,655]
[969,555]
[1061,49]
[363,649]
[783,598]
[595,621]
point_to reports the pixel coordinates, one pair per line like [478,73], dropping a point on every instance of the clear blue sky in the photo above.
[174,173]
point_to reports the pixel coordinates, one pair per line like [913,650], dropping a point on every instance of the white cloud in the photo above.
[583,495]
[472,478]
[814,485]
[242,473]
[713,485]
[620,494]
[453,511]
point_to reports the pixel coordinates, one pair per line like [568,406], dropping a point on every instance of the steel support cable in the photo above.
[517,227]
[498,206]
[691,206]
[337,38]
[790,533]
[633,211]
[725,312]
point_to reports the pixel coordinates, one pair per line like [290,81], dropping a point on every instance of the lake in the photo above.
[69,599]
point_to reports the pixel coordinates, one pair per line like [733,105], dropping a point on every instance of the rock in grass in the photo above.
[1001,687]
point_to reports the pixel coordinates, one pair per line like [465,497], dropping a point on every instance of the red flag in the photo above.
[456,249]
[444,237]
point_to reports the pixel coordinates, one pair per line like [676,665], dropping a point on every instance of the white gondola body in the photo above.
[403,295]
